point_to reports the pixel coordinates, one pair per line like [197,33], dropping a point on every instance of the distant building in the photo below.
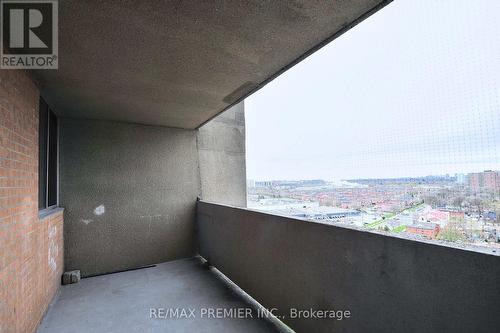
[461,178]
[313,212]
[263,184]
[437,216]
[312,182]
[456,215]
[484,181]
[430,230]
[331,215]
[490,216]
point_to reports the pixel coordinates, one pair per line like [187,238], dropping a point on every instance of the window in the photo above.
[47,158]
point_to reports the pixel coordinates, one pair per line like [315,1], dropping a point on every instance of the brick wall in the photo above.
[31,250]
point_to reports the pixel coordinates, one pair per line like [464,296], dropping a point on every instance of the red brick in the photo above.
[29,278]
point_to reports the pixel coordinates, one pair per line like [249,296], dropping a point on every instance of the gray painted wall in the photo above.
[388,284]
[147,180]
[221,149]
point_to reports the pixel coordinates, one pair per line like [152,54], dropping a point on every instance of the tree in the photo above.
[458,201]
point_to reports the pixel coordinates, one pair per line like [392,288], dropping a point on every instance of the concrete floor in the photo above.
[122,302]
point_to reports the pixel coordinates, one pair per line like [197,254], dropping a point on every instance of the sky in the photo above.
[413,90]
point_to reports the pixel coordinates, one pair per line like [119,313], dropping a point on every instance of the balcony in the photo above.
[132,301]
[127,163]
[289,265]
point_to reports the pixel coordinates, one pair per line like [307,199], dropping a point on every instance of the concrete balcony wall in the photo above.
[221,150]
[129,192]
[388,284]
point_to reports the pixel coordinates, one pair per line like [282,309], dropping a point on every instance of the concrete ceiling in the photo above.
[180,63]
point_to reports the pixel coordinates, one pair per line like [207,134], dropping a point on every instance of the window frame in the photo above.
[48,157]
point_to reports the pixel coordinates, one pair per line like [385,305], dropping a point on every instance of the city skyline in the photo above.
[410,92]
[373,178]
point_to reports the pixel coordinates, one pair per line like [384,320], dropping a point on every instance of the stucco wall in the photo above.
[388,284]
[129,192]
[221,149]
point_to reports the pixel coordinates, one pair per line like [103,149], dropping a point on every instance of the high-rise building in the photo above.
[484,181]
